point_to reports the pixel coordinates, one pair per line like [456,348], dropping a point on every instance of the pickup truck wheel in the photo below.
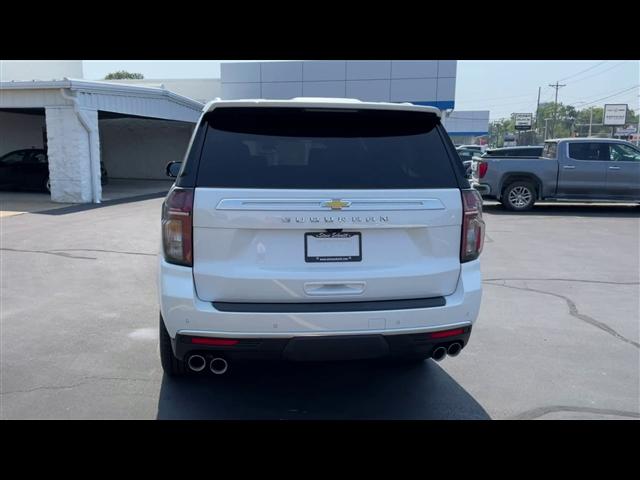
[519,196]
[170,364]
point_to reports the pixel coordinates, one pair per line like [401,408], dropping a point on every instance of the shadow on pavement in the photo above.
[107,203]
[573,210]
[301,391]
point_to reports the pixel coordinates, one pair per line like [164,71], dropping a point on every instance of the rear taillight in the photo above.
[482,169]
[472,226]
[177,226]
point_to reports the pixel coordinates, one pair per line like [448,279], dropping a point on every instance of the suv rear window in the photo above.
[316,148]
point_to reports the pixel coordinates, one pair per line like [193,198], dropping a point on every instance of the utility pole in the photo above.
[537,109]
[590,119]
[557,86]
[638,129]
[545,127]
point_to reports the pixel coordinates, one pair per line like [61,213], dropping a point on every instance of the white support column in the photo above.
[71,149]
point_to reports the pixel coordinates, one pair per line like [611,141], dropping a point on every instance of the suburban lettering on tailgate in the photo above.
[379,219]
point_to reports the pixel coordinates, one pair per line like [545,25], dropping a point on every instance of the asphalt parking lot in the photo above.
[558,334]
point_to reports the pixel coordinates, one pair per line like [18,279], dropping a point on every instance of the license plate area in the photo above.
[322,247]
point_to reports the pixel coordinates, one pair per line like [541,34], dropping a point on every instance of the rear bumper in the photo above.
[186,315]
[324,348]
[482,188]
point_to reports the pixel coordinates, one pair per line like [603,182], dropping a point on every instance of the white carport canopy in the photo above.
[71,110]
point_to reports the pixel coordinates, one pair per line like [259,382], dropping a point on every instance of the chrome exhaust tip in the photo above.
[196,363]
[454,349]
[439,353]
[218,366]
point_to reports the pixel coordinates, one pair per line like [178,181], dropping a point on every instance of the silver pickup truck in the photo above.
[578,169]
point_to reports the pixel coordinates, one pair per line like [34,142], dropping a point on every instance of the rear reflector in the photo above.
[447,333]
[213,341]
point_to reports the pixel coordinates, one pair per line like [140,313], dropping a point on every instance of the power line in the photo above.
[513,103]
[601,72]
[604,98]
[545,90]
[545,98]
[589,76]
[618,99]
[494,98]
[556,86]
[582,71]
[587,101]
[589,97]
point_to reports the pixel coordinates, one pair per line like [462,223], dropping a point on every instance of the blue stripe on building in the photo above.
[442,105]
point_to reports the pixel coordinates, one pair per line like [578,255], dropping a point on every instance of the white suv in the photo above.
[317,229]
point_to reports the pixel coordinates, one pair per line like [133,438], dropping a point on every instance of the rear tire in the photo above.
[170,364]
[519,196]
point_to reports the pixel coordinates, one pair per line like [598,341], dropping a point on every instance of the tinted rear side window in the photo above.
[495,153]
[534,152]
[319,148]
[550,150]
[525,152]
[589,151]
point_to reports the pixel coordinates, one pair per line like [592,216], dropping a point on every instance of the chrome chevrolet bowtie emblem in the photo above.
[336,204]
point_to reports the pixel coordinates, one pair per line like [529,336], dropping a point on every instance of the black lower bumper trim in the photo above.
[321,307]
[324,348]
[357,347]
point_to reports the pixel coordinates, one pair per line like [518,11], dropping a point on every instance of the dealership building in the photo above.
[423,82]
[133,128]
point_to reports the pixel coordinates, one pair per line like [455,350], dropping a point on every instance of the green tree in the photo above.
[123,74]
[565,119]
[571,121]
[498,129]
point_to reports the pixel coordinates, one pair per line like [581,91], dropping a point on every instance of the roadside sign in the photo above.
[629,130]
[615,114]
[523,121]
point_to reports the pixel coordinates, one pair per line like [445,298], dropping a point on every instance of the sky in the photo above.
[500,86]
